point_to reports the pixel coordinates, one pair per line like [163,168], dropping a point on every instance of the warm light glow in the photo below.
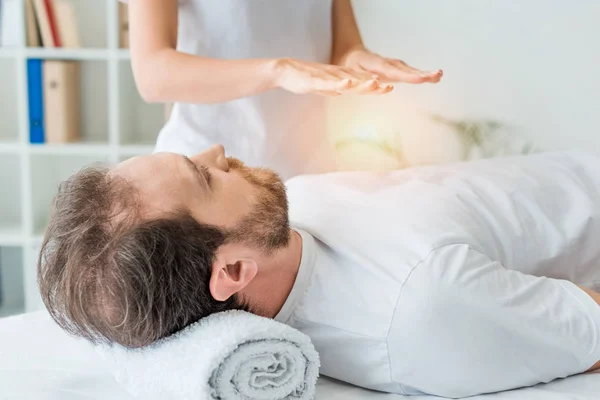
[363,148]
[365,138]
[365,132]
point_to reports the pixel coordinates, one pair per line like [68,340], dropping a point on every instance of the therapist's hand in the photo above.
[304,77]
[387,69]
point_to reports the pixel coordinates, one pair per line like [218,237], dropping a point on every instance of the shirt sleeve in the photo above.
[465,325]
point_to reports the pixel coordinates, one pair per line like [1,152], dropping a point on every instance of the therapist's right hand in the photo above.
[303,77]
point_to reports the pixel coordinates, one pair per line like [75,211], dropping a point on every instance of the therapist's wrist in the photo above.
[265,73]
[277,68]
[340,54]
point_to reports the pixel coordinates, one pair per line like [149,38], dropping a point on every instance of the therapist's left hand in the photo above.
[387,69]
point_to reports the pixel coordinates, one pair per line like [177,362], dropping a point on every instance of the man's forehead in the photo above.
[140,166]
[153,178]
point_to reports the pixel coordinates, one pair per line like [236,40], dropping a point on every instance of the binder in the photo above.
[68,30]
[43,21]
[49,4]
[61,101]
[33,33]
[36,100]
[123,26]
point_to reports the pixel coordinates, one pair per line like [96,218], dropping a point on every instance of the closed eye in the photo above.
[203,174]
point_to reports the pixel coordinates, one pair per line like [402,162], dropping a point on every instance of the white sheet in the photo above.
[38,361]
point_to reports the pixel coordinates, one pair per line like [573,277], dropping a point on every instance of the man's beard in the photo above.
[267,227]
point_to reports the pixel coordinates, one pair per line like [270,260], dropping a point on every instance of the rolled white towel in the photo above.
[232,355]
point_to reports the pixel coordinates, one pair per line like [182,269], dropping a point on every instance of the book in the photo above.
[61,101]
[33,33]
[35,100]
[43,23]
[49,4]
[123,26]
[67,24]
[9,23]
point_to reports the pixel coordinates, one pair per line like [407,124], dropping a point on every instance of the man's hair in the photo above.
[109,276]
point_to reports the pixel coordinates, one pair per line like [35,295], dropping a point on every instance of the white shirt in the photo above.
[276,129]
[433,279]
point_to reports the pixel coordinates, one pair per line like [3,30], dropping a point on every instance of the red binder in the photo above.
[53,23]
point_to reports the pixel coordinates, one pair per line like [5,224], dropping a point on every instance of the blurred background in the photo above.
[519,77]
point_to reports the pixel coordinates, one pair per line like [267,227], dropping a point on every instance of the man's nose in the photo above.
[214,157]
[220,159]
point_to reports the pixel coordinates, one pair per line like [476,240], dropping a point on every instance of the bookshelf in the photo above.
[115,124]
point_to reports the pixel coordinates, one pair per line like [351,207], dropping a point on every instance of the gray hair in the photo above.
[108,276]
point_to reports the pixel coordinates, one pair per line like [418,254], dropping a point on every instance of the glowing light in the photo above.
[366,133]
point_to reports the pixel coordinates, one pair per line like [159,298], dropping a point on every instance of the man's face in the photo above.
[248,203]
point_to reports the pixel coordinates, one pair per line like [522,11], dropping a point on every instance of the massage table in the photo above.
[39,361]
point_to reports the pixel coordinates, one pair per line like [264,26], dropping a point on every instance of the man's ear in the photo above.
[230,274]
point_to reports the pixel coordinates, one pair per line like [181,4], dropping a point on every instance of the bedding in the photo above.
[39,361]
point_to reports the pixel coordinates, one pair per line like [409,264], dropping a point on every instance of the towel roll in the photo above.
[232,355]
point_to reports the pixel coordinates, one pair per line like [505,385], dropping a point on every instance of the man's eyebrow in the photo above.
[202,175]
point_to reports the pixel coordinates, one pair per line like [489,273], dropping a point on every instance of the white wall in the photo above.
[533,63]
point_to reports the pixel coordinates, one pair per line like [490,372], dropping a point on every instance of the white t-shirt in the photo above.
[276,129]
[450,280]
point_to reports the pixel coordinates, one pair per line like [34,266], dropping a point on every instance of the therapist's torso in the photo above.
[276,129]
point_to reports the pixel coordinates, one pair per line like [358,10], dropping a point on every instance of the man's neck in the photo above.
[271,287]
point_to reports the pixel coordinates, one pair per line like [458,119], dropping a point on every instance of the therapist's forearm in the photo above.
[346,35]
[172,76]
[163,74]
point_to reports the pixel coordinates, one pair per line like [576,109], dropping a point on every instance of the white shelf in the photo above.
[81,54]
[83,149]
[67,54]
[10,148]
[11,235]
[76,149]
[115,124]
[8,53]
[123,54]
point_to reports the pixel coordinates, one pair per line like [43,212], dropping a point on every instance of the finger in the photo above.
[382,89]
[352,80]
[436,76]
[428,76]
[369,87]
[331,84]
[336,72]
[340,80]
[373,74]
[357,78]
[361,73]
[327,74]
[399,72]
